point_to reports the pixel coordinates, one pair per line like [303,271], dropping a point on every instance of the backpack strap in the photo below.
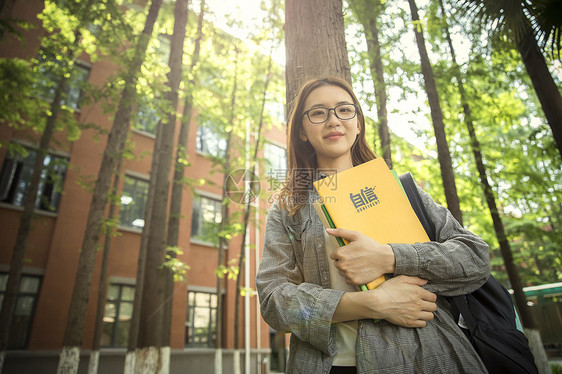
[414,196]
[488,312]
[460,309]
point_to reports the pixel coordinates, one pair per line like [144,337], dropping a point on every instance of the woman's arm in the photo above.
[290,304]
[457,262]
[400,300]
[287,302]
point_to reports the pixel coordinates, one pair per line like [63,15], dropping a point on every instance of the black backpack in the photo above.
[488,312]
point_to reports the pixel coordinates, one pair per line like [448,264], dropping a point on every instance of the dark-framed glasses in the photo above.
[320,115]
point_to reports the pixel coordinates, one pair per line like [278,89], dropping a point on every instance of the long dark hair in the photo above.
[302,163]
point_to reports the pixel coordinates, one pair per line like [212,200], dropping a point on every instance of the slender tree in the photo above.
[516,19]
[131,355]
[93,363]
[249,198]
[443,153]
[314,43]
[6,7]
[368,15]
[70,354]
[20,248]
[527,319]
[179,169]
[153,351]
[223,241]
[18,255]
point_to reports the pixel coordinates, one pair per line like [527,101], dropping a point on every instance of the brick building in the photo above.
[59,223]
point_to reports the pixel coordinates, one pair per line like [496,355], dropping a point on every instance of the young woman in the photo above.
[403,325]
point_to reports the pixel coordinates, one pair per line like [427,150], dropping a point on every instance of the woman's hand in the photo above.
[363,259]
[400,300]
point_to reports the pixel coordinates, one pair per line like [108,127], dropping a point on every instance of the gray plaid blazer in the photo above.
[294,289]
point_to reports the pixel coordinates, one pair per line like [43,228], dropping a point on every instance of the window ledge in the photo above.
[144,133]
[209,155]
[203,243]
[203,153]
[39,212]
[129,229]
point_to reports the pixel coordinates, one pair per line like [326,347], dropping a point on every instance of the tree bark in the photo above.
[513,273]
[152,311]
[315,43]
[443,154]
[70,354]
[178,184]
[543,83]
[374,48]
[247,209]
[223,242]
[368,14]
[20,248]
[102,287]
[6,7]
[131,355]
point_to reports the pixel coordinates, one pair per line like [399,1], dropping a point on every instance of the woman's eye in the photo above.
[318,112]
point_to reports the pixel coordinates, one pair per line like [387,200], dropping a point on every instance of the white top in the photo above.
[346,332]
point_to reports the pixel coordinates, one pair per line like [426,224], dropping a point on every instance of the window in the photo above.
[276,110]
[210,140]
[201,320]
[24,311]
[133,202]
[16,173]
[206,219]
[276,159]
[148,109]
[147,116]
[51,68]
[163,47]
[117,316]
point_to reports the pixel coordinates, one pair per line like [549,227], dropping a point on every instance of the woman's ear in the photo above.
[303,136]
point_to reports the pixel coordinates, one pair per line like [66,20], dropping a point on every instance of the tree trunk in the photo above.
[131,355]
[373,45]
[20,248]
[70,354]
[527,319]
[102,290]
[443,154]
[314,43]
[6,7]
[152,312]
[545,87]
[178,184]
[513,273]
[223,242]
[368,14]
[247,209]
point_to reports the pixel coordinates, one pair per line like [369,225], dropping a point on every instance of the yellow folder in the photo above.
[368,198]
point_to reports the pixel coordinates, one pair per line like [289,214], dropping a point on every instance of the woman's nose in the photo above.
[332,120]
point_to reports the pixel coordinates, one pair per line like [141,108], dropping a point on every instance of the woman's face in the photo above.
[332,139]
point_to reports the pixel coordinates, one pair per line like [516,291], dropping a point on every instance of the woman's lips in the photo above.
[333,136]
